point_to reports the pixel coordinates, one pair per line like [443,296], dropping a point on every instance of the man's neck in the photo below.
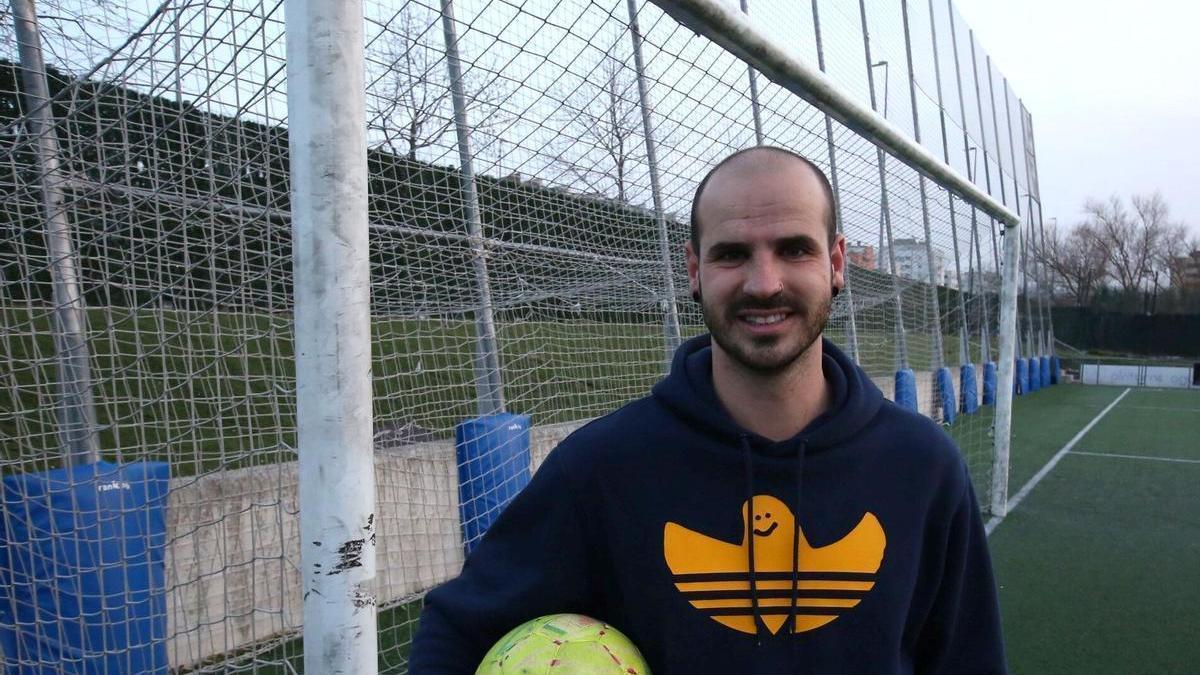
[776,406]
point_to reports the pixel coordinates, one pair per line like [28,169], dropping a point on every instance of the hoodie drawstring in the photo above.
[749,455]
[796,535]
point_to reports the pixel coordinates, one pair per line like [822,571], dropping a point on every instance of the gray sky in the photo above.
[1114,91]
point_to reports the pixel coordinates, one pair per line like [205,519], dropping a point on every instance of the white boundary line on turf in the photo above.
[1037,477]
[1145,457]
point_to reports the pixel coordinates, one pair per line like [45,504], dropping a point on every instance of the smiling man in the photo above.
[764,509]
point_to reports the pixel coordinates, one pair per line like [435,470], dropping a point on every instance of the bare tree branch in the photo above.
[413,110]
[1076,260]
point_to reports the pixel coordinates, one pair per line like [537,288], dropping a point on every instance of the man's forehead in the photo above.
[778,179]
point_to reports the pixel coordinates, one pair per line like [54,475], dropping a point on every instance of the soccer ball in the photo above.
[563,644]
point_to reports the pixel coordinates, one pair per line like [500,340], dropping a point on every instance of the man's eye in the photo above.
[794,250]
[729,255]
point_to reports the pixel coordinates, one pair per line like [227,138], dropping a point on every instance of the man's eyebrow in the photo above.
[722,247]
[804,241]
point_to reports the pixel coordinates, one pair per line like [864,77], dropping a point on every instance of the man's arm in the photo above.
[532,561]
[962,635]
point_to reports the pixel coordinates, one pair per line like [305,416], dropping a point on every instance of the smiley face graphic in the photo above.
[764,522]
[713,574]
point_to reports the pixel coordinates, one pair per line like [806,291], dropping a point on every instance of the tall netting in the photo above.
[537,268]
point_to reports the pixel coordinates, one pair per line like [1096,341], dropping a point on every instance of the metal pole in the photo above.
[939,353]
[76,408]
[985,348]
[885,212]
[1030,348]
[328,145]
[833,181]
[1038,266]
[964,349]
[1004,393]
[671,312]
[987,169]
[754,107]
[489,390]
[1039,235]
[1037,193]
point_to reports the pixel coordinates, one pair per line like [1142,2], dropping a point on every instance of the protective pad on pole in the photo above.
[945,384]
[82,572]
[493,466]
[1035,373]
[1047,380]
[989,383]
[906,388]
[1021,381]
[970,388]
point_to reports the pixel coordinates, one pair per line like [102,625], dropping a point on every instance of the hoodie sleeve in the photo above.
[961,635]
[532,561]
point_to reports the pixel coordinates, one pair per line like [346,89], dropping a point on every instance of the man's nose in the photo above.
[763,279]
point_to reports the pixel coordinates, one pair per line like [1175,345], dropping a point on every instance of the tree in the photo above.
[602,118]
[411,105]
[1076,259]
[1136,244]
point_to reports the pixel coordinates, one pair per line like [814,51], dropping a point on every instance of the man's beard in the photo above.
[767,354]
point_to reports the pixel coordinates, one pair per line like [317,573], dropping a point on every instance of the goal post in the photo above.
[327,138]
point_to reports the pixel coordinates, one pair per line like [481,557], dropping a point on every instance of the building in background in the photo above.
[912,261]
[862,255]
[1185,273]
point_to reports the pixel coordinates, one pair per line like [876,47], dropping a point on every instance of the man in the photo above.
[764,510]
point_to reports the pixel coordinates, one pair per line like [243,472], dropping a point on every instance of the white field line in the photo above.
[1015,500]
[1145,457]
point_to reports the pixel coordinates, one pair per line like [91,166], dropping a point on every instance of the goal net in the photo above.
[526,256]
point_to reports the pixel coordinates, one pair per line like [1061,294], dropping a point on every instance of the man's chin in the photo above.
[762,359]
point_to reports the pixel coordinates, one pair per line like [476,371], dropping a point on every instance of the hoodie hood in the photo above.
[688,392]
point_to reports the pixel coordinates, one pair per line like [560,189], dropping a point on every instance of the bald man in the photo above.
[763,509]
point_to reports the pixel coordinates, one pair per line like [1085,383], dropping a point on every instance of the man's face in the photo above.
[765,270]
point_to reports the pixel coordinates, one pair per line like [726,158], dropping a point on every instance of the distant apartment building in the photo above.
[912,262]
[862,255]
[1186,271]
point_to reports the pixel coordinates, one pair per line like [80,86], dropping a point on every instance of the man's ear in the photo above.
[693,270]
[837,263]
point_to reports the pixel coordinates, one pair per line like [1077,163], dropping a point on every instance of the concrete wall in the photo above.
[233,553]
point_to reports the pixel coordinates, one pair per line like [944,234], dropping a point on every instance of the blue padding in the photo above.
[493,466]
[1055,370]
[989,383]
[1035,373]
[1021,381]
[906,388]
[82,577]
[1046,379]
[970,388]
[946,388]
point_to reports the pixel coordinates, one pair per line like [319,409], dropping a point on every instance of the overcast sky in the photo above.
[1114,91]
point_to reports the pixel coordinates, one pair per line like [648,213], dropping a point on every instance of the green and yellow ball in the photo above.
[563,644]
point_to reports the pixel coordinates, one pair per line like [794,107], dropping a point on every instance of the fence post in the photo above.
[885,212]
[964,351]
[76,408]
[754,107]
[670,311]
[328,145]
[939,354]
[833,183]
[489,389]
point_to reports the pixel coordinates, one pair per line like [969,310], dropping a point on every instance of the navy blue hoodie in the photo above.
[669,521]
